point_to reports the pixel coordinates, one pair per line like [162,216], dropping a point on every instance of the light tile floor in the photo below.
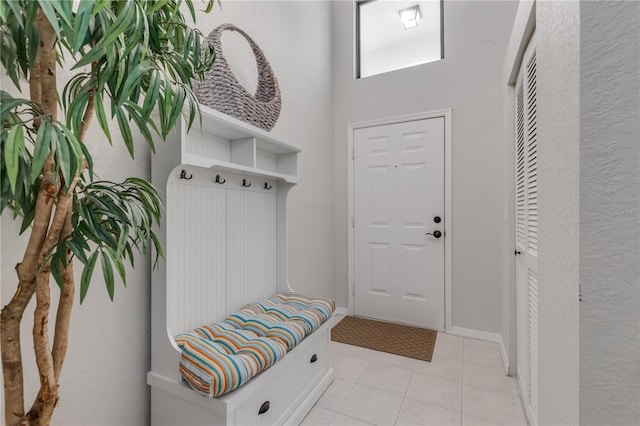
[464,384]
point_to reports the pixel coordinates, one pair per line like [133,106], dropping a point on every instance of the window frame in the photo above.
[357,4]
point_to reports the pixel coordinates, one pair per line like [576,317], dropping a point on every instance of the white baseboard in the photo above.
[487,337]
[475,334]
[342,311]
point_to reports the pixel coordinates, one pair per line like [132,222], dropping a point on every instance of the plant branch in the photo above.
[11,315]
[38,246]
[65,304]
[40,412]
[42,408]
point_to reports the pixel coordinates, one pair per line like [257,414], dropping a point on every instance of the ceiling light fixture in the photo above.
[410,17]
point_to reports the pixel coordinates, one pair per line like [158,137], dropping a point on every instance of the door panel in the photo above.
[398,190]
[526,230]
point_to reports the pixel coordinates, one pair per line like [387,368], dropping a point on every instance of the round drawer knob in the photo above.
[264,407]
[314,358]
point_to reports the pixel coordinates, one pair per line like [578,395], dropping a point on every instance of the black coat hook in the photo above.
[245,184]
[266,186]
[220,181]
[183,175]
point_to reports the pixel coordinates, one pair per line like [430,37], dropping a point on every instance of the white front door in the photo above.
[399,222]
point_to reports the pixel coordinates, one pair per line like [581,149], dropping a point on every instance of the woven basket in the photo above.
[221,90]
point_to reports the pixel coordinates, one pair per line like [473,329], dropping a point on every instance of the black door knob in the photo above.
[436,234]
[437,219]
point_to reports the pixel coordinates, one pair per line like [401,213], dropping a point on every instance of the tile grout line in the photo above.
[404,396]
[345,397]
[351,390]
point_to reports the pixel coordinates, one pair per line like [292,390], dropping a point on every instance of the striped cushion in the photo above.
[218,358]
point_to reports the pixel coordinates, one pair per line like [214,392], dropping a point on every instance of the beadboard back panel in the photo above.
[221,246]
[195,253]
[251,246]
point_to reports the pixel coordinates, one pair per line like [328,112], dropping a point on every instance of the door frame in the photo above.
[351,128]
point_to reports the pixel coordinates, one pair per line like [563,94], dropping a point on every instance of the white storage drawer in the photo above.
[293,375]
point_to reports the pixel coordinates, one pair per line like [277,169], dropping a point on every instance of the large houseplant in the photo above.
[130,57]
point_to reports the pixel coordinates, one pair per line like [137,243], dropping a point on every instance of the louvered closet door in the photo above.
[526,232]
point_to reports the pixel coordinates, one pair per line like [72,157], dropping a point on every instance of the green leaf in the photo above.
[102,118]
[125,129]
[82,21]
[107,272]
[8,103]
[28,218]
[41,150]
[56,267]
[151,96]
[122,240]
[14,6]
[133,80]
[12,148]
[158,246]
[87,273]
[91,56]
[89,158]
[34,43]
[77,250]
[63,158]
[119,26]
[121,271]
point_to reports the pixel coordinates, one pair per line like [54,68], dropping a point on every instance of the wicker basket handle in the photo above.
[266,90]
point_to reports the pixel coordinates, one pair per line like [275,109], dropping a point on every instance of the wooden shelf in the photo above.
[226,143]
[197,161]
[233,129]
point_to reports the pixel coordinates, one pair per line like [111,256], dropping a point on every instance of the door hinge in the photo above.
[353,153]
[353,221]
[579,293]
[353,289]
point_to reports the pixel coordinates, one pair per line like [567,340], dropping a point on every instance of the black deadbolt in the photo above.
[264,407]
[437,219]
[314,358]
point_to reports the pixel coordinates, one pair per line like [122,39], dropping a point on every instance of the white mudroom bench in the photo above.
[224,231]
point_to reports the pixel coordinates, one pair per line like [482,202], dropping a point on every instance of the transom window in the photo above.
[396,34]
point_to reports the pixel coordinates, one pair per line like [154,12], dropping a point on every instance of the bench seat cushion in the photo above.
[220,357]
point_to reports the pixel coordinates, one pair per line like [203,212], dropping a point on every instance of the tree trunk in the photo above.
[27,269]
[65,304]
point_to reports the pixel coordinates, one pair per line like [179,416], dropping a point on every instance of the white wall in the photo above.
[296,39]
[609,212]
[467,80]
[558,51]
[398,56]
[104,378]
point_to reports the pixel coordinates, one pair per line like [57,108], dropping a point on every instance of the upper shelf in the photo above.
[227,143]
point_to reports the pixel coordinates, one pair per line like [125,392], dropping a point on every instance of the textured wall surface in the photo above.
[296,39]
[609,213]
[104,378]
[467,80]
[558,245]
